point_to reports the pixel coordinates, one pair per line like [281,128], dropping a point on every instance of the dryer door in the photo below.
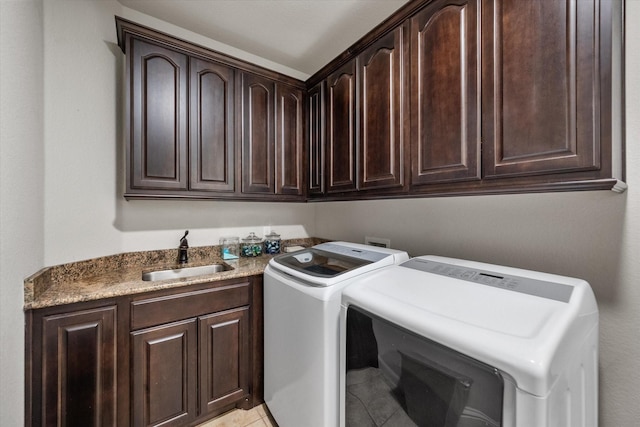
[397,378]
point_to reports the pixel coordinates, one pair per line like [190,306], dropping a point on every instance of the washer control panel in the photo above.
[526,285]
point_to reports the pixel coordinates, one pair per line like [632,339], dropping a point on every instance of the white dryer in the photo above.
[302,293]
[450,343]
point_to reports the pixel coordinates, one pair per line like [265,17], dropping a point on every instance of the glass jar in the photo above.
[229,247]
[272,243]
[251,246]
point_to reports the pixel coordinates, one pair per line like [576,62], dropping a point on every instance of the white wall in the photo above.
[21,187]
[591,235]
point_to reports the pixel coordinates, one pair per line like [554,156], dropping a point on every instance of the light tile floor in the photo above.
[256,417]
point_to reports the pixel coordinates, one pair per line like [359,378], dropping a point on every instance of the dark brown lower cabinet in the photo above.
[224,358]
[73,368]
[163,374]
[174,357]
[190,353]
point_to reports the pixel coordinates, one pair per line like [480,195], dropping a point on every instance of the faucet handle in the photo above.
[183,240]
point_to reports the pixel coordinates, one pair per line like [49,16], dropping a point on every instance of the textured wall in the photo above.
[21,187]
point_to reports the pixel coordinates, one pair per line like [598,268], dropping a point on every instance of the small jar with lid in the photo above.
[272,243]
[251,246]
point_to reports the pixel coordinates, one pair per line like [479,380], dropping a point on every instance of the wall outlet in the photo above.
[380,242]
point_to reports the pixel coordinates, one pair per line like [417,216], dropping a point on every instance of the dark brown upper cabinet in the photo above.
[316,139]
[341,129]
[258,102]
[204,125]
[212,126]
[181,123]
[158,118]
[445,95]
[290,141]
[504,96]
[364,119]
[544,86]
[381,139]
[272,137]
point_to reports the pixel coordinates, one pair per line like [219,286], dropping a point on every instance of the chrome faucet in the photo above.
[183,249]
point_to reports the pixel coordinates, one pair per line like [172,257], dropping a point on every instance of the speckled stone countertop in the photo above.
[121,274]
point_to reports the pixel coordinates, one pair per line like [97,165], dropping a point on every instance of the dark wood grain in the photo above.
[79,368]
[168,308]
[495,96]
[381,138]
[258,102]
[224,348]
[540,80]
[445,96]
[158,117]
[164,374]
[290,141]
[341,129]
[316,138]
[85,365]
[212,136]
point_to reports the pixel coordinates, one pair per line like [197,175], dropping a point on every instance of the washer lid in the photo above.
[531,329]
[329,263]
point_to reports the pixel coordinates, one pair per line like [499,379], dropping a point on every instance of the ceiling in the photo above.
[303,35]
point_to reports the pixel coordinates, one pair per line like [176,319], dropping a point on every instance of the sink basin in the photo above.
[179,273]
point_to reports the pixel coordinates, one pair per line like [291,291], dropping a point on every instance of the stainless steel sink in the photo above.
[179,273]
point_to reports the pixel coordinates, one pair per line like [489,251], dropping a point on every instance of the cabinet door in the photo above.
[257,134]
[445,97]
[341,129]
[540,86]
[164,374]
[289,146]
[79,368]
[158,118]
[212,133]
[316,135]
[381,138]
[224,358]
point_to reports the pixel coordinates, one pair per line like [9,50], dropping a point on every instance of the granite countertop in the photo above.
[121,274]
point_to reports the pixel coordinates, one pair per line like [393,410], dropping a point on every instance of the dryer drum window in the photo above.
[397,378]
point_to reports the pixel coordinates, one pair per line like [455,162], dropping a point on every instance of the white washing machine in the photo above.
[301,325]
[450,343]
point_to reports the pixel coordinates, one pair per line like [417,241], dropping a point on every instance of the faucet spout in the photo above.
[183,249]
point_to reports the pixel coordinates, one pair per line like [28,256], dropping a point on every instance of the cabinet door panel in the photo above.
[341,129]
[540,86]
[158,117]
[381,116]
[224,358]
[212,131]
[258,135]
[164,374]
[445,102]
[289,141]
[316,132]
[79,368]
